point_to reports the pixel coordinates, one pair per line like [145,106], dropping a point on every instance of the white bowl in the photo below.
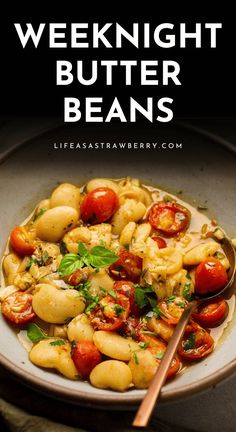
[204,170]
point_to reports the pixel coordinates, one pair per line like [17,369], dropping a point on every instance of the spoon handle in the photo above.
[146,408]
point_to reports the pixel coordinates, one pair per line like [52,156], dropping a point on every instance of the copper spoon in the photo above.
[147,406]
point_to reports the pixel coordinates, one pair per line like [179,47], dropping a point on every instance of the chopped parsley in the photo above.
[168,198]
[31,260]
[219,255]
[135,357]
[159,355]
[118,309]
[170,299]
[147,332]
[40,213]
[186,291]
[143,345]
[144,295]
[58,342]
[190,342]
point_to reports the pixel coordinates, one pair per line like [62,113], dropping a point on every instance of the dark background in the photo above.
[28,76]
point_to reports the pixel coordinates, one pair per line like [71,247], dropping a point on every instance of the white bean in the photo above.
[114,345]
[58,357]
[55,222]
[102,182]
[55,305]
[112,374]
[143,367]
[66,195]
[80,329]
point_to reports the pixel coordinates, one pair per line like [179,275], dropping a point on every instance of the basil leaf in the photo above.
[35,334]
[69,264]
[190,342]
[82,249]
[101,257]
[58,342]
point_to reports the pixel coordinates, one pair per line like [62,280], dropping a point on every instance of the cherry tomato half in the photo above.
[171,309]
[17,307]
[169,218]
[161,243]
[196,344]
[111,312]
[158,348]
[127,288]
[85,356]
[128,266]
[212,314]
[99,205]
[20,241]
[210,276]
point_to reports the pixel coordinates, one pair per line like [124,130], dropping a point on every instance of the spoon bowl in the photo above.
[147,406]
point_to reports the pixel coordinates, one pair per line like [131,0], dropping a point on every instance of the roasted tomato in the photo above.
[157,347]
[99,205]
[196,343]
[17,307]
[127,288]
[85,356]
[210,276]
[21,242]
[212,314]
[128,266]
[78,277]
[161,243]
[171,309]
[111,312]
[132,327]
[169,218]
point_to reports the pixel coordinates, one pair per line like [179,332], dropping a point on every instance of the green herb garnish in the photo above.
[58,342]
[170,299]
[99,256]
[168,198]
[31,260]
[69,264]
[190,342]
[144,345]
[144,295]
[40,213]
[118,309]
[136,357]
[150,333]
[159,355]
[186,291]
[35,333]
[219,255]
